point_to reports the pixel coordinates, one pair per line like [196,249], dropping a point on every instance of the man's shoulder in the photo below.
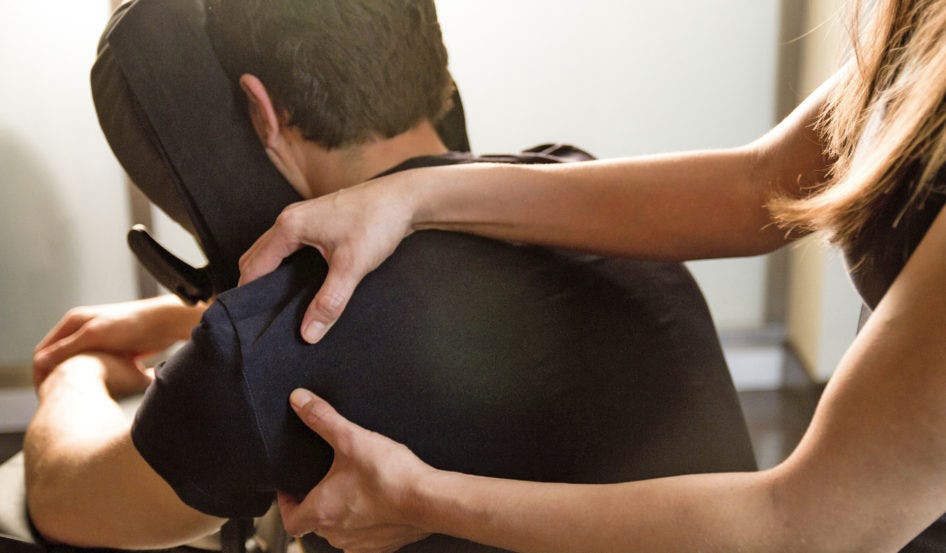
[540,154]
[253,305]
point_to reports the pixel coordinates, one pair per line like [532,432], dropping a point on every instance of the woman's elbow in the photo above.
[808,518]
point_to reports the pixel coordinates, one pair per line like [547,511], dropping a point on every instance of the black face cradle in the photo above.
[171,117]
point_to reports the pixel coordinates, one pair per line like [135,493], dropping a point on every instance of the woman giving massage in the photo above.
[862,157]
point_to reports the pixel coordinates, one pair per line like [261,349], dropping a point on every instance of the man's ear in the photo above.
[272,132]
[262,112]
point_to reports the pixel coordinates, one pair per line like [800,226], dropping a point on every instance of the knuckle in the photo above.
[345,440]
[290,218]
[330,304]
[350,266]
[325,523]
[291,522]
[74,313]
[319,411]
[91,331]
[244,261]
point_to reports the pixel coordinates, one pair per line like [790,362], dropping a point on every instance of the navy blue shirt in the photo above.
[481,356]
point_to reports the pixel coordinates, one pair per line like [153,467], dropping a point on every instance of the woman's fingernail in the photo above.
[313,331]
[299,398]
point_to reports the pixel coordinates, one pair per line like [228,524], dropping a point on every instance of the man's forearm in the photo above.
[74,404]
[75,413]
[86,483]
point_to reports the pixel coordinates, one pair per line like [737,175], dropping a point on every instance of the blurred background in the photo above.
[615,77]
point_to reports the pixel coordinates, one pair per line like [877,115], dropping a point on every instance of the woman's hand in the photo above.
[355,229]
[365,501]
[131,329]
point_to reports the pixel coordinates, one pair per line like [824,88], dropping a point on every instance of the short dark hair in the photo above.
[341,70]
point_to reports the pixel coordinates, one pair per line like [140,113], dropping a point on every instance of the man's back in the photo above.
[481,356]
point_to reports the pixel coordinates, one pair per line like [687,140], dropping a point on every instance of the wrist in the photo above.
[432,500]
[417,192]
[417,502]
[459,197]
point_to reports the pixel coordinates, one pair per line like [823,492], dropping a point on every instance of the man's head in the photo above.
[340,71]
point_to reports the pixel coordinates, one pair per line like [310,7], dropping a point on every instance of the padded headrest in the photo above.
[170,115]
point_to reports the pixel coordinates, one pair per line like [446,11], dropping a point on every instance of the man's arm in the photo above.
[134,329]
[87,485]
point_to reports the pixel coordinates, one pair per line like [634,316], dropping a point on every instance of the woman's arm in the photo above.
[86,483]
[669,207]
[869,475]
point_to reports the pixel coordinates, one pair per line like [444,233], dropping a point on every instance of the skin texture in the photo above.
[134,329]
[868,476]
[86,484]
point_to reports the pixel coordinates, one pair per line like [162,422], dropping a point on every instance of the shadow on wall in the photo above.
[38,261]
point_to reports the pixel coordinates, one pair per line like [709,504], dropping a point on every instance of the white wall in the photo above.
[823,308]
[623,77]
[63,211]
[823,305]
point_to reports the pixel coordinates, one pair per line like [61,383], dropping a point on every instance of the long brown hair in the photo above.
[893,90]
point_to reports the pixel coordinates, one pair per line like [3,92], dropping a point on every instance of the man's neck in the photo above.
[326,171]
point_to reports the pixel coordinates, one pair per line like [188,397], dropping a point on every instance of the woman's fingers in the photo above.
[357,505]
[332,298]
[276,244]
[321,417]
[293,519]
[355,229]
[299,519]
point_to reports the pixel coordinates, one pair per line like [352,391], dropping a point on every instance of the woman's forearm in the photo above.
[734,513]
[671,207]
[668,207]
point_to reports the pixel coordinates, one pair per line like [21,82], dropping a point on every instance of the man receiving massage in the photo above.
[486,357]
